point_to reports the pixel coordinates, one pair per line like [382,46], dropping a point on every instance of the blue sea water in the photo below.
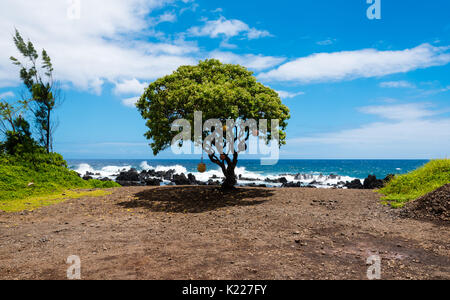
[251,168]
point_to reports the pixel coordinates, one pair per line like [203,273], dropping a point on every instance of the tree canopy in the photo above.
[220,91]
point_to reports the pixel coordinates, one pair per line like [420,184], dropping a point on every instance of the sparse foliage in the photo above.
[44,92]
[9,113]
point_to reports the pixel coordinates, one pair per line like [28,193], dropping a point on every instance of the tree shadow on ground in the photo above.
[196,199]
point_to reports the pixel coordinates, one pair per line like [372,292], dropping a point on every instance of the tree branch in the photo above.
[216,160]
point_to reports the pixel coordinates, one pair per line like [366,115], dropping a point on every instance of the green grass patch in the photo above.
[32,203]
[40,175]
[404,188]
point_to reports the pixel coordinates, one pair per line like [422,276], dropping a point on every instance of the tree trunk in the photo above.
[48,130]
[230,179]
[227,169]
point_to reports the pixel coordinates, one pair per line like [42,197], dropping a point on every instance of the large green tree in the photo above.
[220,91]
[37,75]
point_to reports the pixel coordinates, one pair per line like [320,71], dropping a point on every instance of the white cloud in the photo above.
[177,48]
[167,17]
[226,44]
[132,86]
[256,34]
[326,42]
[223,27]
[435,91]
[251,61]
[287,95]
[104,45]
[401,112]
[408,134]
[347,65]
[397,84]
[8,94]
[130,102]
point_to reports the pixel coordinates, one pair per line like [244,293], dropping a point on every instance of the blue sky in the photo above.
[356,88]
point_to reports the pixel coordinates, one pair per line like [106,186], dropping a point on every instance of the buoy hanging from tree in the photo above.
[201,166]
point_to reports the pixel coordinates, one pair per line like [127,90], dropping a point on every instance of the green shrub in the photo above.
[36,174]
[404,188]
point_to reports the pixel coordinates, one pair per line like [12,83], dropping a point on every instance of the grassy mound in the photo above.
[39,175]
[404,188]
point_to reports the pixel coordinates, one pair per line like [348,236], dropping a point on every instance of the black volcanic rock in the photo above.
[87,177]
[371,182]
[256,185]
[153,182]
[213,182]
[181,179]
[192,179]
[168,175]
[282,180]
[131,175]
[388,178]
[355,185]
[291,185]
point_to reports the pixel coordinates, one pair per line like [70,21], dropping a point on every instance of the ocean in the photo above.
[317,171]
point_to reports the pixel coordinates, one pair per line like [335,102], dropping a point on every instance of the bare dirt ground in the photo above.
[201,233]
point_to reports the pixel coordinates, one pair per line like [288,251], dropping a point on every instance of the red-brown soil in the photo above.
[432,206]
[201,233]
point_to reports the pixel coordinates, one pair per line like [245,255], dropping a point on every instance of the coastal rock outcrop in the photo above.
[371,182]
[153,182]
[130,175]
[88,176]
[181,179]
[256,185]
[292,184]
[355,185]
[155,178]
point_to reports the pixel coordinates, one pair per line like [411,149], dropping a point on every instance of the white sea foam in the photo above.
[178,168]
[83,168]
[246,177]
[145,166]
[208,174]
[108,171]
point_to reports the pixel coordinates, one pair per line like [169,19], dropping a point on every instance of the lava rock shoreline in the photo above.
[156,178]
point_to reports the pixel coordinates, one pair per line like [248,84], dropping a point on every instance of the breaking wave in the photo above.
[245,176]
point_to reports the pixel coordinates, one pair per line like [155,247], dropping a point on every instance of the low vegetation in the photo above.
[404,188]
[31,175]
[32,203]
[26,178]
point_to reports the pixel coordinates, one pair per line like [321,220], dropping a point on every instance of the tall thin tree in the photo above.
[44,91]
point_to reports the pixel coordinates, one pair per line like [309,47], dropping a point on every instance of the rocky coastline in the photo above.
[133,177]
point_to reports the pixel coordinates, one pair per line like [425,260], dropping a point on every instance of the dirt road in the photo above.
[201,233]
